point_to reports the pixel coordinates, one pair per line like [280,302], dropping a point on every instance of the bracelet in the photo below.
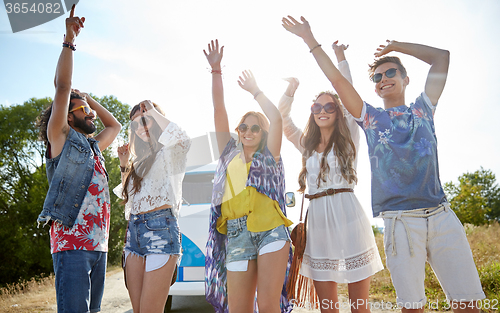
[316,46]
[69,45]
[216,72]
[123,169]
[256,94]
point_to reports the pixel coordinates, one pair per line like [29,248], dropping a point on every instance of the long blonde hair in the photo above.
[340,139]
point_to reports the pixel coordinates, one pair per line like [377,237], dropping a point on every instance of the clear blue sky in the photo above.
[153,50]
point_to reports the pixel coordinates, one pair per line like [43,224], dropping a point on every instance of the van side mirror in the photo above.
[290,199]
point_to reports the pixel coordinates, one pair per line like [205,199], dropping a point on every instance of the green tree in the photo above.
[23,187]
[475,198]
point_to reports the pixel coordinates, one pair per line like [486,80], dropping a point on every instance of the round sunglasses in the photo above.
[86,110]
[329,107]
[390,73]
[244,127]
[144,120]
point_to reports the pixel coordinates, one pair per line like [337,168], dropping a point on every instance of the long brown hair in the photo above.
[143,154]
[340,139]
[264,126]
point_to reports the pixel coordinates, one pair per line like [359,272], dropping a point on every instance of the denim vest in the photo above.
[69,175]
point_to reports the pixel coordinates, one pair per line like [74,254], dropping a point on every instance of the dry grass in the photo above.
[485,246]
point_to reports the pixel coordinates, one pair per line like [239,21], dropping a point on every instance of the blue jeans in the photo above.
[79,280]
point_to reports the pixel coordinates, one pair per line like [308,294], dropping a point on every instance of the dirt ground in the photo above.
[116,300]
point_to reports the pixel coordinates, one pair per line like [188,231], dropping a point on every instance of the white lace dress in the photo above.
[340,242]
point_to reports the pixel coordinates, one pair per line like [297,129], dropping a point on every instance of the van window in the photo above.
[197,188]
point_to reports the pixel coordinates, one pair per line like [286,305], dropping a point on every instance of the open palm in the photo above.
[295,27]
[214,55]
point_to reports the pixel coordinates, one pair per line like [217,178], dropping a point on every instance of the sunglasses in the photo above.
[87,110]
[390,73]
[329,108]
[144,120]
[244,127]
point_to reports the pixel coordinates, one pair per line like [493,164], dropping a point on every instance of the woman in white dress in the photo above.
[340,246]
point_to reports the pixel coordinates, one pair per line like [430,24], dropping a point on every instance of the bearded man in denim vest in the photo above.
[77,203]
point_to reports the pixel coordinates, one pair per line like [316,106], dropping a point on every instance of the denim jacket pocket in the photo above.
[61,193]
[78,154]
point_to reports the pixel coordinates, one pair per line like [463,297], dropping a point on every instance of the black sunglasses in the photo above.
[144,120]
[390,73]
[244,127]
[329,107]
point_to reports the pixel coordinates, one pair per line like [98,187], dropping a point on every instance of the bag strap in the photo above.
[302,206]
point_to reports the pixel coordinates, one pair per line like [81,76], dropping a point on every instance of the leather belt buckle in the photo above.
[330,191]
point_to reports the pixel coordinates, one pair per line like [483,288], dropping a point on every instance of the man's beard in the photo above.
[82,124]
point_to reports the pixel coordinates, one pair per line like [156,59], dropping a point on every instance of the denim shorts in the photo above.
[245,245]
[154,232]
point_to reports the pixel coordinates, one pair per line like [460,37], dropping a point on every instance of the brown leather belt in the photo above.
[328,192]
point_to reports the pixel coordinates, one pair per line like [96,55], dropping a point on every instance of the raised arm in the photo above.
[248,83]
[350,98]
[292,132]
[214,57]
[341,60]
[58,128]
[438,59]
[148,108]
[111,125]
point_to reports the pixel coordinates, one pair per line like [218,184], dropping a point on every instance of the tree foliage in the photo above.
[475,198]
[23,187]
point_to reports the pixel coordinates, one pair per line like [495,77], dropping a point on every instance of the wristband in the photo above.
[69,45]
[216,72]
[256,94]
[123,169]
[316,46]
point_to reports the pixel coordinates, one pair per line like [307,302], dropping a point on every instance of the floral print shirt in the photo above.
[91,229]
[402,146]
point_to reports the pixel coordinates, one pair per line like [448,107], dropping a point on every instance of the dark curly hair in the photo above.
[43,119]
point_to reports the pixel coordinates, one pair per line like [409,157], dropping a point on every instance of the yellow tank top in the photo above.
[262,212]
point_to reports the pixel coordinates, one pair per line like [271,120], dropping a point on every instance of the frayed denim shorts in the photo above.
[245,245]
[154,232]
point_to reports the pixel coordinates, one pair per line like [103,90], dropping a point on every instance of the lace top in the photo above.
[163,183]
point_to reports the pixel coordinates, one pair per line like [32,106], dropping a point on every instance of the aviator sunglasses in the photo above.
[144,120]
[86,110]
[329,107]
[390,73]
[244,127]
